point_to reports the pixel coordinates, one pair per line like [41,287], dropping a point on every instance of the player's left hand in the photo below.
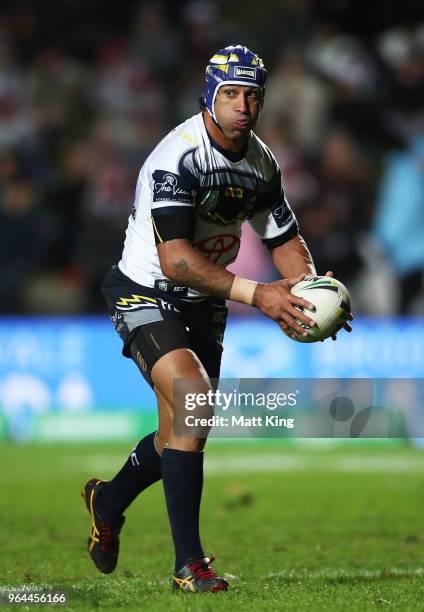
[346,325]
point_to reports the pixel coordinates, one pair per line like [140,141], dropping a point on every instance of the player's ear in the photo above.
[262,96]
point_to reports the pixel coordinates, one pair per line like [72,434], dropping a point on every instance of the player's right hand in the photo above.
[277,302]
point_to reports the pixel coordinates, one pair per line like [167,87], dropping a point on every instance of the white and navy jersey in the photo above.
[189,187]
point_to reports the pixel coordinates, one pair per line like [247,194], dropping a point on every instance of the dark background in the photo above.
[88,88]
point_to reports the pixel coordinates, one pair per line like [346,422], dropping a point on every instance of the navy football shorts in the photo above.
[152,323]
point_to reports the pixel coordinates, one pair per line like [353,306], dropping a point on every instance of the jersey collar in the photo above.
[232,157]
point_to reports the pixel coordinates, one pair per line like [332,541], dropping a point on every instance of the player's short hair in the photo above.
[233,65]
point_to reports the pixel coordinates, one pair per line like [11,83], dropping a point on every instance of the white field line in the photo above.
[288,575]
[341,574]
[330,574]
[282,462]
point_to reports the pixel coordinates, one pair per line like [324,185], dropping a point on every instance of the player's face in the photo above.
[237,109]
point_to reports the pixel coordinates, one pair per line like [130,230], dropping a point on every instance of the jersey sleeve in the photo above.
[173,199]
[275,222]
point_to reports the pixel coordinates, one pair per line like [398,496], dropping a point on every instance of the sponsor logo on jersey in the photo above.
[209,200]
[169,187]
[234,192]
[216,209]
[246,73]
[282,214]
[215,247]
[168,286]
[162,285]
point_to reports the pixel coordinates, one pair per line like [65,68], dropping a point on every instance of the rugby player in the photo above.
[167,295]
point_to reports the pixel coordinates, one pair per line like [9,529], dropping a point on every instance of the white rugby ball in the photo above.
[332,306]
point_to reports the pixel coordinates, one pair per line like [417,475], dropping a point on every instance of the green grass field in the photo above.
[293,528]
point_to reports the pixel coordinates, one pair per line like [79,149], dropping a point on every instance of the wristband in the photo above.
[242,290]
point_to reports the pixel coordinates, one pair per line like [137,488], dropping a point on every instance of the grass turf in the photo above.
[294,528]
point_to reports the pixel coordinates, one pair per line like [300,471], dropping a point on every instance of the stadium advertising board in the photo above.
[65,379]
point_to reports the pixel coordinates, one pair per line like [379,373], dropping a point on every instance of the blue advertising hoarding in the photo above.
[377,348]
[59,377]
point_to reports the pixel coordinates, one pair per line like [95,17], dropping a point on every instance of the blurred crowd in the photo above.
[87,90]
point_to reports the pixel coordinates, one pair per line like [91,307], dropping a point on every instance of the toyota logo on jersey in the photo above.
[215,246]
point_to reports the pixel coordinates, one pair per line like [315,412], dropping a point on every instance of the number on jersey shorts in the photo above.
[152,323]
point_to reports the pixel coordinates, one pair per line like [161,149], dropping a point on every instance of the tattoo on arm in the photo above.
[180,266]
[213,280]
[182,269]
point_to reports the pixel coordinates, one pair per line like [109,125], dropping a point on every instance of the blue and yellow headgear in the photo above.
[233,65]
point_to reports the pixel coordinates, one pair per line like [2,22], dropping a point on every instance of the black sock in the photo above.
[182,473]
[142,468]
